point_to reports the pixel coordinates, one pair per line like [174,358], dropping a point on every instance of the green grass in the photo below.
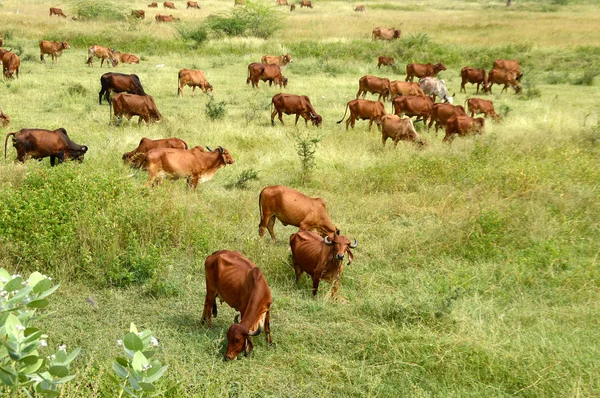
[477,268]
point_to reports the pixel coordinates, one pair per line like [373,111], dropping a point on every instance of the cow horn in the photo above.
[220,149]
[327,241]
[256,332]
[353,245]
[236,319]
[209,150]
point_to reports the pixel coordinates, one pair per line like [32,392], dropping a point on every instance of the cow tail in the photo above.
[346,111]
[138,85]
[110,110]
[14,133]
[179,82]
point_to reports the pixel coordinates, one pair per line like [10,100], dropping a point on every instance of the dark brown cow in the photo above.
[127,58]
[192,4]
[398,87]
[140,14]
[119,83]
[474,76]
[293,7]
[153,5]
[441,113]
[1,42]
[321,257]
[39,143]
[364,110]
[282,60]
[104,53]
[360,8]
[306,3]
[165,18]
[54,48]
[292,208]
[136,157]
[57,11]
[4,119]
[195,164]
[385,34]
[282,3]
[385,61]
[509,66]
[423,70]
[463,125]
[374,85]
[130,105]
[478,105]
[193,78]
[413,105]
[298,105]
[168,4]
[399,129]
[499,76]
[271,73]
[237,281]
[11,64]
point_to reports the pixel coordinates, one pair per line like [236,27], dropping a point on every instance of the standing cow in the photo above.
[399,129]
[119,83]
[423,70]
[435,87]
[136,157]
[291,104]
[104,53]
[364,110]
[192,4]
[57,11]
[53,48]
[11,64]
[374,85]
[385,34]
[463,125]
[130,105]
[39,143]
[193,78]
[474,76]
[479,105]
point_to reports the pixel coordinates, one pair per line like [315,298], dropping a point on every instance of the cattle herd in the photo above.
[318,248]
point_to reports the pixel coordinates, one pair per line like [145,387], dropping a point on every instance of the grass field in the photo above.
[477,268]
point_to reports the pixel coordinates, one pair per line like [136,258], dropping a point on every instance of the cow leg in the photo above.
[102,62]
[348,121]
[193,90]
[268,327]
[42,58]
[280,116]
[503,89]
[383,139]
[315,285]
[359,92]
[297,271]
[52,160]
[273,117]
[370,124]
[478,83]
[270,226]
[210,304]
[297,117]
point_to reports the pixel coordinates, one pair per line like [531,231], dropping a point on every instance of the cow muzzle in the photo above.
[340,256]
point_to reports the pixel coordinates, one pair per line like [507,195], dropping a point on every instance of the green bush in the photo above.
[255,19]
[197,34]
[98,9]
[587,78]
[243,179]
[215,110]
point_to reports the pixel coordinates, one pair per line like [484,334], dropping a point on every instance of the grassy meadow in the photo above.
[477,270]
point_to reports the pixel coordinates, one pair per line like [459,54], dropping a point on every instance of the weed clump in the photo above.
[587,79]
[306,147]
[98,9]
[243,179]
[255,19]
[194,34]
[215,110]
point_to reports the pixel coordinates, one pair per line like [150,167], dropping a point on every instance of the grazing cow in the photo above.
[5,119]
[360,8]
[130,105]
[398,129]
[374,85]
[282,3]
[298,105]
[420,106]
[398,87]
[39,143]
[271,73]
[385,34]
[168,4]
[1,42]
[364,110]
[500,76]
[473,76]
[282,60]
[101,52]
[321,257]
[192,4]
[195,164]
[193,78]
[135,157]
[153,5]
[57,11]
[239,2]
[423,70]
[237,281]
[292,208]
[11,63]
[119,83]
[293,7]
[509,66]
[435,87]
[385,61]
[441,113]
[478,105]
[306,3]
[165,18]
[54,48]
[463,125]
[140,14]
[127,58]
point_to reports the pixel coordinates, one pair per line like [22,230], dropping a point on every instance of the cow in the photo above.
[282,3]
[153,5]
[509,66]
[364,110]
[168,4]
[360,8]
[500,76]
[282,60]
[54,48]
[195,164]
[233,278]
[5,119]
[385,61]
[474,76]
[101,52]
[126,58]
[478,105]
[165,18]
[463,125]
[441,113]
[298,105]
[435,87]
[292,208]
[398,129]
[321,257]
[385,34]
[420,106]
[423,70]
[119,83]
[398,87]
[39,143]
[292,7]
[193,78]
[140,14]
[192,4]
[1,42]
[306,3]
[11,64]
[136,156]
[374,85]
[57,11]
[130,105]
[239,2]
[271,73]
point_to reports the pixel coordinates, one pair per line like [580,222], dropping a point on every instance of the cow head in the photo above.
[76,153]
[5,119]
[450,99]
[317,120]
[238,340]
[439,67]
[227,159]
[65,45]
[287,58]
[209,87]
[285,81]
[518,88]
[340,245]
[397,33]
[114,62]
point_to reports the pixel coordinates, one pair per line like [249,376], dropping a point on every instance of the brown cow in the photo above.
[168,4]
[11,64]
[54,48]
[239,2]
[5,119]
[409,105]
[293,7]
[153,5]
[237,281]
[193,78]
[119,83]
[127,58]
[306,3]
[374,85]
[39,143]
[101,52]
[441,113]
[360,8]
[499,76]
[271,73]
[282,60]
[364,110]
[1,42]
[192,4]
[478,105]
[298,105]
[397,129]
[165,18]
[140,14]
[292,208]
[57,11]
[386,34]
[398,87]
[463,125]
[385,61]
[130,105]
[509,66]
[423,70]
[282,3]
[195,164]
[320,257]
[474,76]
[136,157]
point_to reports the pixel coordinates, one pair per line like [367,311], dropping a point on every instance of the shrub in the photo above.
[215,110]
[98,9]
[530,90]
[197,34]
[255,19]
[587,79]
[306,147]
[77,89]
[243,179]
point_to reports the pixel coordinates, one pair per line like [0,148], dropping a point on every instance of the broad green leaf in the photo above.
[43,303]
[19,296]
[42,286]
[7,379]
[128,391]
[122,361]
[3,318]
[63,380]
[120,370]
[72,355]
[155,373]
[30,359]
[35,278]
[50,393]
[48,292]
[60,357]
[133,342]
[14,284]
[132,328]
[147,387]
[133,382]
[32,368]
[12,328]
[149,354]
[4,275]
[29,349]
[139,361]
[32,336]
[58,371]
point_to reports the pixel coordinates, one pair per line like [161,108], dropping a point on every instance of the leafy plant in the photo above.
[215,110]
[243,179]
[197,34]
[255,19]
[306,147]
[587,79]
[98,9]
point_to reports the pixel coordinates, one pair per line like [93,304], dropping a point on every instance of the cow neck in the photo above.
[252,311]
[216,162]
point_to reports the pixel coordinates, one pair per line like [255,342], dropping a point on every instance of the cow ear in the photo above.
[84,148]
[248,346]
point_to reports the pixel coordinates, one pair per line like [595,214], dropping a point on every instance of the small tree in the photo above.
[306,147]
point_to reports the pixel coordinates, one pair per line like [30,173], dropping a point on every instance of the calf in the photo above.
[463,125]
[500,76]
[271,73]
[136,157]
[374,85]
[39,143]
[127,58]
[474,76]
[385,34]
[360,8]
[104,53]
[5,119]
[140,14]
[385,61]
[292,7]
[423,70]
[168,4]
[306,3]
[398,87]
[153,5]
[364,110]
[54,48]
[193,78]
[11,63]
[281,60]
[441,113]
[398,129]
[478,105]
[420,106]
[165,18]
[119,83]
[57,11]
[192,4]
[130,105]
[298,105]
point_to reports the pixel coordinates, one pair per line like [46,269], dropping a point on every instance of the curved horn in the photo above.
[353,245]
[256,332]
[327,241]
[236,319]
[220,149]
[209,150]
